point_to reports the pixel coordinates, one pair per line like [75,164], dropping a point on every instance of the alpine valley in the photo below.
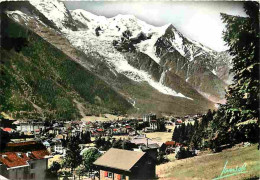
[66,64]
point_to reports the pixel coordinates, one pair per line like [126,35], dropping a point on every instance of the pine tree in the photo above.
[182,133]
[175,133]
[238,119]
[196,137]
[189,132]
[73,158]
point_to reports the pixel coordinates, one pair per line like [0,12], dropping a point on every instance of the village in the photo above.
[129,90]
[35,147]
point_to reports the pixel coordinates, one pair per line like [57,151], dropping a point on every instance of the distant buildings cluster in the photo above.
[33,142]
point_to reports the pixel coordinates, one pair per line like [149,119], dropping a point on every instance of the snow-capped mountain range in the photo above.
[125,51]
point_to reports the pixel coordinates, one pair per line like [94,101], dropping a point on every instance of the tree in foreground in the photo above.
[52,172]
[72,158]
[89,157]
[237,120]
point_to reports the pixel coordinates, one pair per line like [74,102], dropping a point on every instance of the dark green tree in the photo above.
[103,144]
[182,133]
[52,172]
[86,137]
[197,136]
[176,134]
[4,139]
[72,158]
[238,120]
[117,143]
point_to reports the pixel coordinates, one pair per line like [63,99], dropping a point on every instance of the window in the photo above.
[106,174]
[32,166]
[110,175]
[123,177]
[120,177]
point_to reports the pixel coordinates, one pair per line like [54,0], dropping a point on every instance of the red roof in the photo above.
[100,130]
[114,129]
[128,127]
[169,143]
[14,159]
[7,129]
[21,143]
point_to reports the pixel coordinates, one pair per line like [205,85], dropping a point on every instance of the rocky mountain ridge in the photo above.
[156,69]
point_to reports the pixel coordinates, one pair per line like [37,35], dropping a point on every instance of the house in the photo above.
[143,140]
[9,130]
[24,160]
[151,147]
[178,122]
[47,145]
[152,150]
[149,117]
[170,146]
[56,146]
[29,126]
[122,164]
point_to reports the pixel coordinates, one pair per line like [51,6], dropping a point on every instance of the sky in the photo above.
[198,20]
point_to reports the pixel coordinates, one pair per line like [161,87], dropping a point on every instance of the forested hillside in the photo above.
[39,81]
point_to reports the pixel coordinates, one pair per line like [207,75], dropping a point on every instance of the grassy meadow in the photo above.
[210,166]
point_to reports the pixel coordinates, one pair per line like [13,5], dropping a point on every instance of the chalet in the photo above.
[116,131]
[152,150]
[125,165]
[170,146]
[29,126]
[24,160]
[9,130]
[178,122]
[98,132]
[142,140]
[149,117]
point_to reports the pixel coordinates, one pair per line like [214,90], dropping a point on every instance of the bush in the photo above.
[183,153]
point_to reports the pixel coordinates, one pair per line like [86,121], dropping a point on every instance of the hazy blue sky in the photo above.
[199,21]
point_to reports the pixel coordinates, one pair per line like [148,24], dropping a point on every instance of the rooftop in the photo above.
[18,159]
[119,159]
[18,154]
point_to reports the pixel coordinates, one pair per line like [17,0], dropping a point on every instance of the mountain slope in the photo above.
[164,45]
[40,81]
[150,67]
